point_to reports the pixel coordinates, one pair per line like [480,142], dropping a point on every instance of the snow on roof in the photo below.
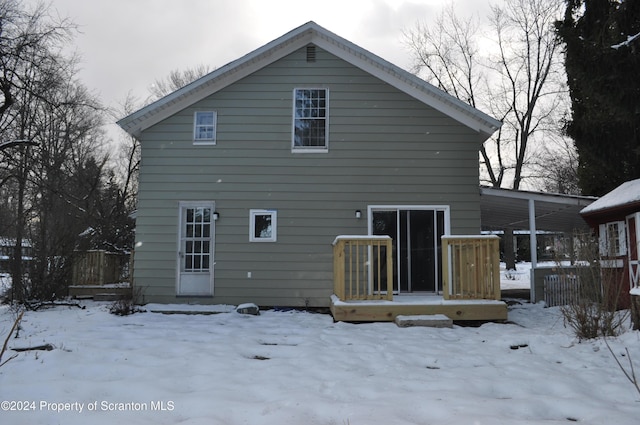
[626,193]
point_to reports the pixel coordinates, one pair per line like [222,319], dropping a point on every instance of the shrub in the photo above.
[593,312]
[128,304]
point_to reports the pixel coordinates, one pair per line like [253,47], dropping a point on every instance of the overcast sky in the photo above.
[125,45]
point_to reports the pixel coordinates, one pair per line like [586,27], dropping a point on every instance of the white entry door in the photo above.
[195,249]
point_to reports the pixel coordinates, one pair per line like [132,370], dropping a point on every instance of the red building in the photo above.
[615,217]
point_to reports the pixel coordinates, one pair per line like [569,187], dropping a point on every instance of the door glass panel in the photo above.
[403,258]
[439,234]
[421,250]
[197,239]
[417,252]
[386,223]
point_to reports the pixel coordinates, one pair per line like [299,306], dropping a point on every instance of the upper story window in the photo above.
[310,120]
[204,127]
[612,239]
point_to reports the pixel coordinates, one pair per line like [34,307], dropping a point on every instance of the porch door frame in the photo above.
[633,249]
[397,208]
[205,279]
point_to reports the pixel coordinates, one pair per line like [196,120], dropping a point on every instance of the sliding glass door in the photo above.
[417,252]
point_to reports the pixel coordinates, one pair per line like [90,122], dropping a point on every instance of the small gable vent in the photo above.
[311,53]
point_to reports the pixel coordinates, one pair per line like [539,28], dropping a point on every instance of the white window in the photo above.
[612,239]
[310,120]
[263,225]
[204,128]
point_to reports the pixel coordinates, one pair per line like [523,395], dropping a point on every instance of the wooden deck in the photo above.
[386,311]
[363,282]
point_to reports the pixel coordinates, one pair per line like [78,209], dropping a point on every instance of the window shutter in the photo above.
[622,237]
[602,239]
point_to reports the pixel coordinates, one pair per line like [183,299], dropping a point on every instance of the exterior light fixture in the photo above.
[358,214]
[216,215]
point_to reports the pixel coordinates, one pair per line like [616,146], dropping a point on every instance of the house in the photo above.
[615,218]
[7,248]
[251,172]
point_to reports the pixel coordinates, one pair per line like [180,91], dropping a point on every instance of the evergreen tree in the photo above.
[602,39]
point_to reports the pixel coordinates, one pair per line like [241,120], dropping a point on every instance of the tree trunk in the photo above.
[18,292]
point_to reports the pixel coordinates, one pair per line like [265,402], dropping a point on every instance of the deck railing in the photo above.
[471,267]
[363,268]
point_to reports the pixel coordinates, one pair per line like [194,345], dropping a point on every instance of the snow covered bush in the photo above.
[593,311]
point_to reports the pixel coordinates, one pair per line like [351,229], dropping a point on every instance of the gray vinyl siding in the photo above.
[385,148]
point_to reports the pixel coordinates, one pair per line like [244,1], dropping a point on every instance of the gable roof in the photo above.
[309,33]
[624,196]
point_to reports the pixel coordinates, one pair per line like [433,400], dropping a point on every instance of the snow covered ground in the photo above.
[302,368]
[520,278]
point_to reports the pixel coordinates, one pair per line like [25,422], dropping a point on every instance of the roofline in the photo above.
[558,198]
[310,32]
[630,203]
[612,210]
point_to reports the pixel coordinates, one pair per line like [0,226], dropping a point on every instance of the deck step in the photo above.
[104,296]
[429,320]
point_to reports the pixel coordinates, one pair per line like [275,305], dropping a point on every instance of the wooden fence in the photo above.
[100,268]
[363,268]
[471,267]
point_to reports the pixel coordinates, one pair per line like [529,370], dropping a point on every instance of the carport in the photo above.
[525,210]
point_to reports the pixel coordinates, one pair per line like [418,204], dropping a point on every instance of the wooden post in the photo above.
[495,266]
[389,250]
[338,269]
[445,269]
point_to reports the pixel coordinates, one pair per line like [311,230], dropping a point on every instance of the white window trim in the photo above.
[313,149]
[205,141]
[605,238]
[252,225]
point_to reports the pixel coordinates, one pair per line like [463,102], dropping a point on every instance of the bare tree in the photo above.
[57,185]
[516,76]
[67,183]
[127,166]
[27,39]
[557,168]
[176,80]
[532,79]
[30,41]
